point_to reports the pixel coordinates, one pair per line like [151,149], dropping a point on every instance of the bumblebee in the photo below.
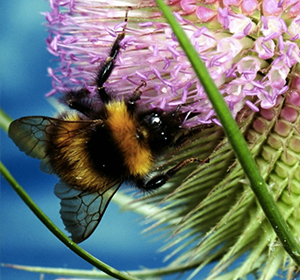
[101,142]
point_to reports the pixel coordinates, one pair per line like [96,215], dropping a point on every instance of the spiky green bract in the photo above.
[214,215]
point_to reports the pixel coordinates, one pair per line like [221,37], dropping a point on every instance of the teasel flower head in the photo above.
[251,49]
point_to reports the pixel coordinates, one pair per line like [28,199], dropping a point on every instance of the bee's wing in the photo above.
[30,135]
[81,211]
[33,135]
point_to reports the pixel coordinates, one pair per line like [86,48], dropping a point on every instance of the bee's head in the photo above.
[163,128]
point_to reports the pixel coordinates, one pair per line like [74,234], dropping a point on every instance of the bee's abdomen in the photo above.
[130,139]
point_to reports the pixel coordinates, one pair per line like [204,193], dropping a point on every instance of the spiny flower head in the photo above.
[251,49]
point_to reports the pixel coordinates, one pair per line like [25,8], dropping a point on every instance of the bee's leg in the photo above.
[159,180]
[108,65]
[79,100]
[190,132]
[135,96]
[137,93]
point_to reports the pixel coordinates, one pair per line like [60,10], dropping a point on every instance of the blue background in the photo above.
[24,239]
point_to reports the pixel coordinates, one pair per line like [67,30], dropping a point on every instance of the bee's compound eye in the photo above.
[155,120]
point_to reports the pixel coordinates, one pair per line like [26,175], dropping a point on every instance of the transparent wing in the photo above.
[40,136]
[81,211]
[30,135]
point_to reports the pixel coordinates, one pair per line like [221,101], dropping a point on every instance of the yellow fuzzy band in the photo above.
[124,129]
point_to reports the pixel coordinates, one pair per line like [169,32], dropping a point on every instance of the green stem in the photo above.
[57,232]
[143,273]
[236,139]
[5,120]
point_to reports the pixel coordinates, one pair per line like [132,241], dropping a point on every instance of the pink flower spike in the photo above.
[258,84]
[188,5]
[141,75]
[205,14]
[146,24]
[52,75]
[249,6]
[294,10]
[50,93]
[223,17]
[173,51]
[265,49]
[82,38]
[111,31]
[283,90]
[178,17]
[280,43]
[271,8]
[252,106]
